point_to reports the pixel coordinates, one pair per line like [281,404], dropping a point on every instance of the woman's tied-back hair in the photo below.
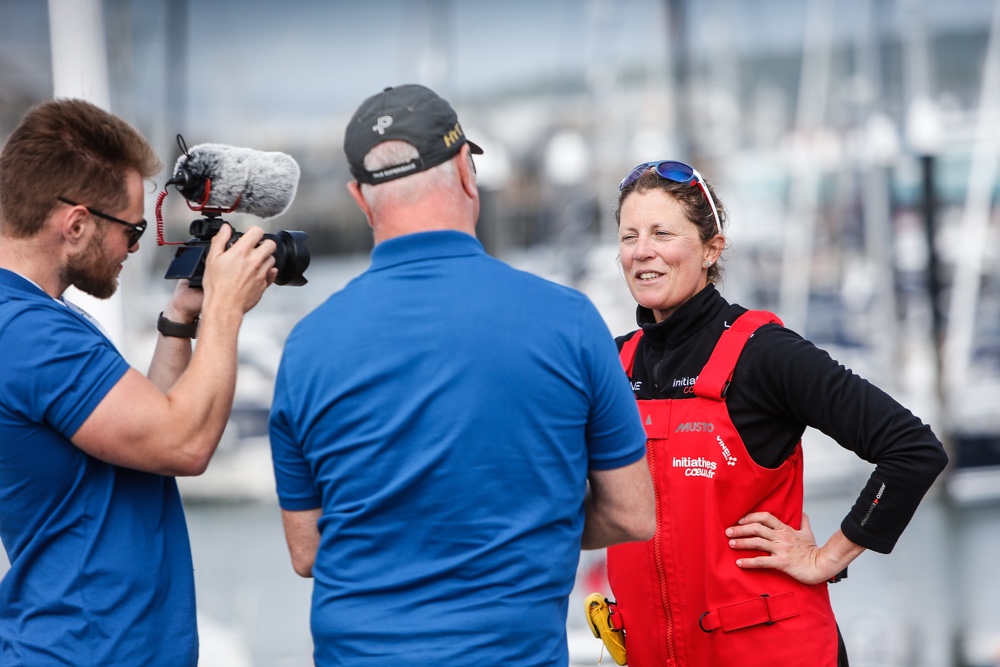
[68,148]
[691,198]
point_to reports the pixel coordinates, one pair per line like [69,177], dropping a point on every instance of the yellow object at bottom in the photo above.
[605,623]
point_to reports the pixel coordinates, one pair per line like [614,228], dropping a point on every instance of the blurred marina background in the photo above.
[856,144]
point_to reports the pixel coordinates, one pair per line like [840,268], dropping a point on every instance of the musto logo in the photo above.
[695,427]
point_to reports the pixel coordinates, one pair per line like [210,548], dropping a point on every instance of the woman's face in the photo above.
[662,255]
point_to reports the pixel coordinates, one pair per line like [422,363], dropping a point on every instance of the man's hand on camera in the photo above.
[185,303]
[241,273]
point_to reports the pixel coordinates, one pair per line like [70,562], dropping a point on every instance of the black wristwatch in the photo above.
[176,329]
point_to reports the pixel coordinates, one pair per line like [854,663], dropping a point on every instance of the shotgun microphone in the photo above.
[217,179]
[228,178]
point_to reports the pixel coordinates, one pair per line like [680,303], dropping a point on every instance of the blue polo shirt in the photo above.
[101,568]
[443,410]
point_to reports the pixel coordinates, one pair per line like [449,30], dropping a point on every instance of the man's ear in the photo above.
[467,173]
[73,223]
[354,188]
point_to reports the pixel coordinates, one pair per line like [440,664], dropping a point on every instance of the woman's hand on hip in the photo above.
[791,551]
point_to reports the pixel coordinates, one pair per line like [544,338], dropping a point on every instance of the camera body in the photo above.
[291,257]
[222,179]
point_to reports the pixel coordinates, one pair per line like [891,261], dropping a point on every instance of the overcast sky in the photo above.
[307,61]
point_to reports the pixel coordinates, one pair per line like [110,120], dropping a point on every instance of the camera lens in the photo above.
[291,257]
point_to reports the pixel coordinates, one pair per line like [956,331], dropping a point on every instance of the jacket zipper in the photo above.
[658,557]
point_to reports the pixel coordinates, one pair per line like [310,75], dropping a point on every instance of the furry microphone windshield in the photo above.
[229,178]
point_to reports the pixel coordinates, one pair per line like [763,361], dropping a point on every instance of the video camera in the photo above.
[221,179]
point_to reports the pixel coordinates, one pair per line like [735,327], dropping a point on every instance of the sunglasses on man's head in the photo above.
[136,229]
[676,172]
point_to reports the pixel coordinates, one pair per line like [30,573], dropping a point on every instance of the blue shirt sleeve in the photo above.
[615,435]
[294,480]
[57,367]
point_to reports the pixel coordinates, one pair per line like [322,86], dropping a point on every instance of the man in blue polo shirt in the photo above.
[447,431]
[100,566]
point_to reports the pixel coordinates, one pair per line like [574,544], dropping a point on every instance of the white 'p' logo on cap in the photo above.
[381,123]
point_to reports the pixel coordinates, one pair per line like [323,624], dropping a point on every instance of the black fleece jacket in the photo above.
[783,383]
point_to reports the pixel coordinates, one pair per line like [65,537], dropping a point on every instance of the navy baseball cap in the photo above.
[411,113]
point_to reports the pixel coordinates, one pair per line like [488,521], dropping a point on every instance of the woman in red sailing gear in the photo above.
[734,575]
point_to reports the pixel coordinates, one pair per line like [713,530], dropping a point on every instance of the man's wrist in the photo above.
[173,329]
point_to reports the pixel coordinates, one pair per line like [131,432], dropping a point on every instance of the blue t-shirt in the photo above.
[443,410]
[100,565]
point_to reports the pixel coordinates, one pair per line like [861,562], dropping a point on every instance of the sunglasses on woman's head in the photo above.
[676,172]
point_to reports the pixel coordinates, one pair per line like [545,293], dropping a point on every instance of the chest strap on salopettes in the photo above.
[627,353]
[714,379]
